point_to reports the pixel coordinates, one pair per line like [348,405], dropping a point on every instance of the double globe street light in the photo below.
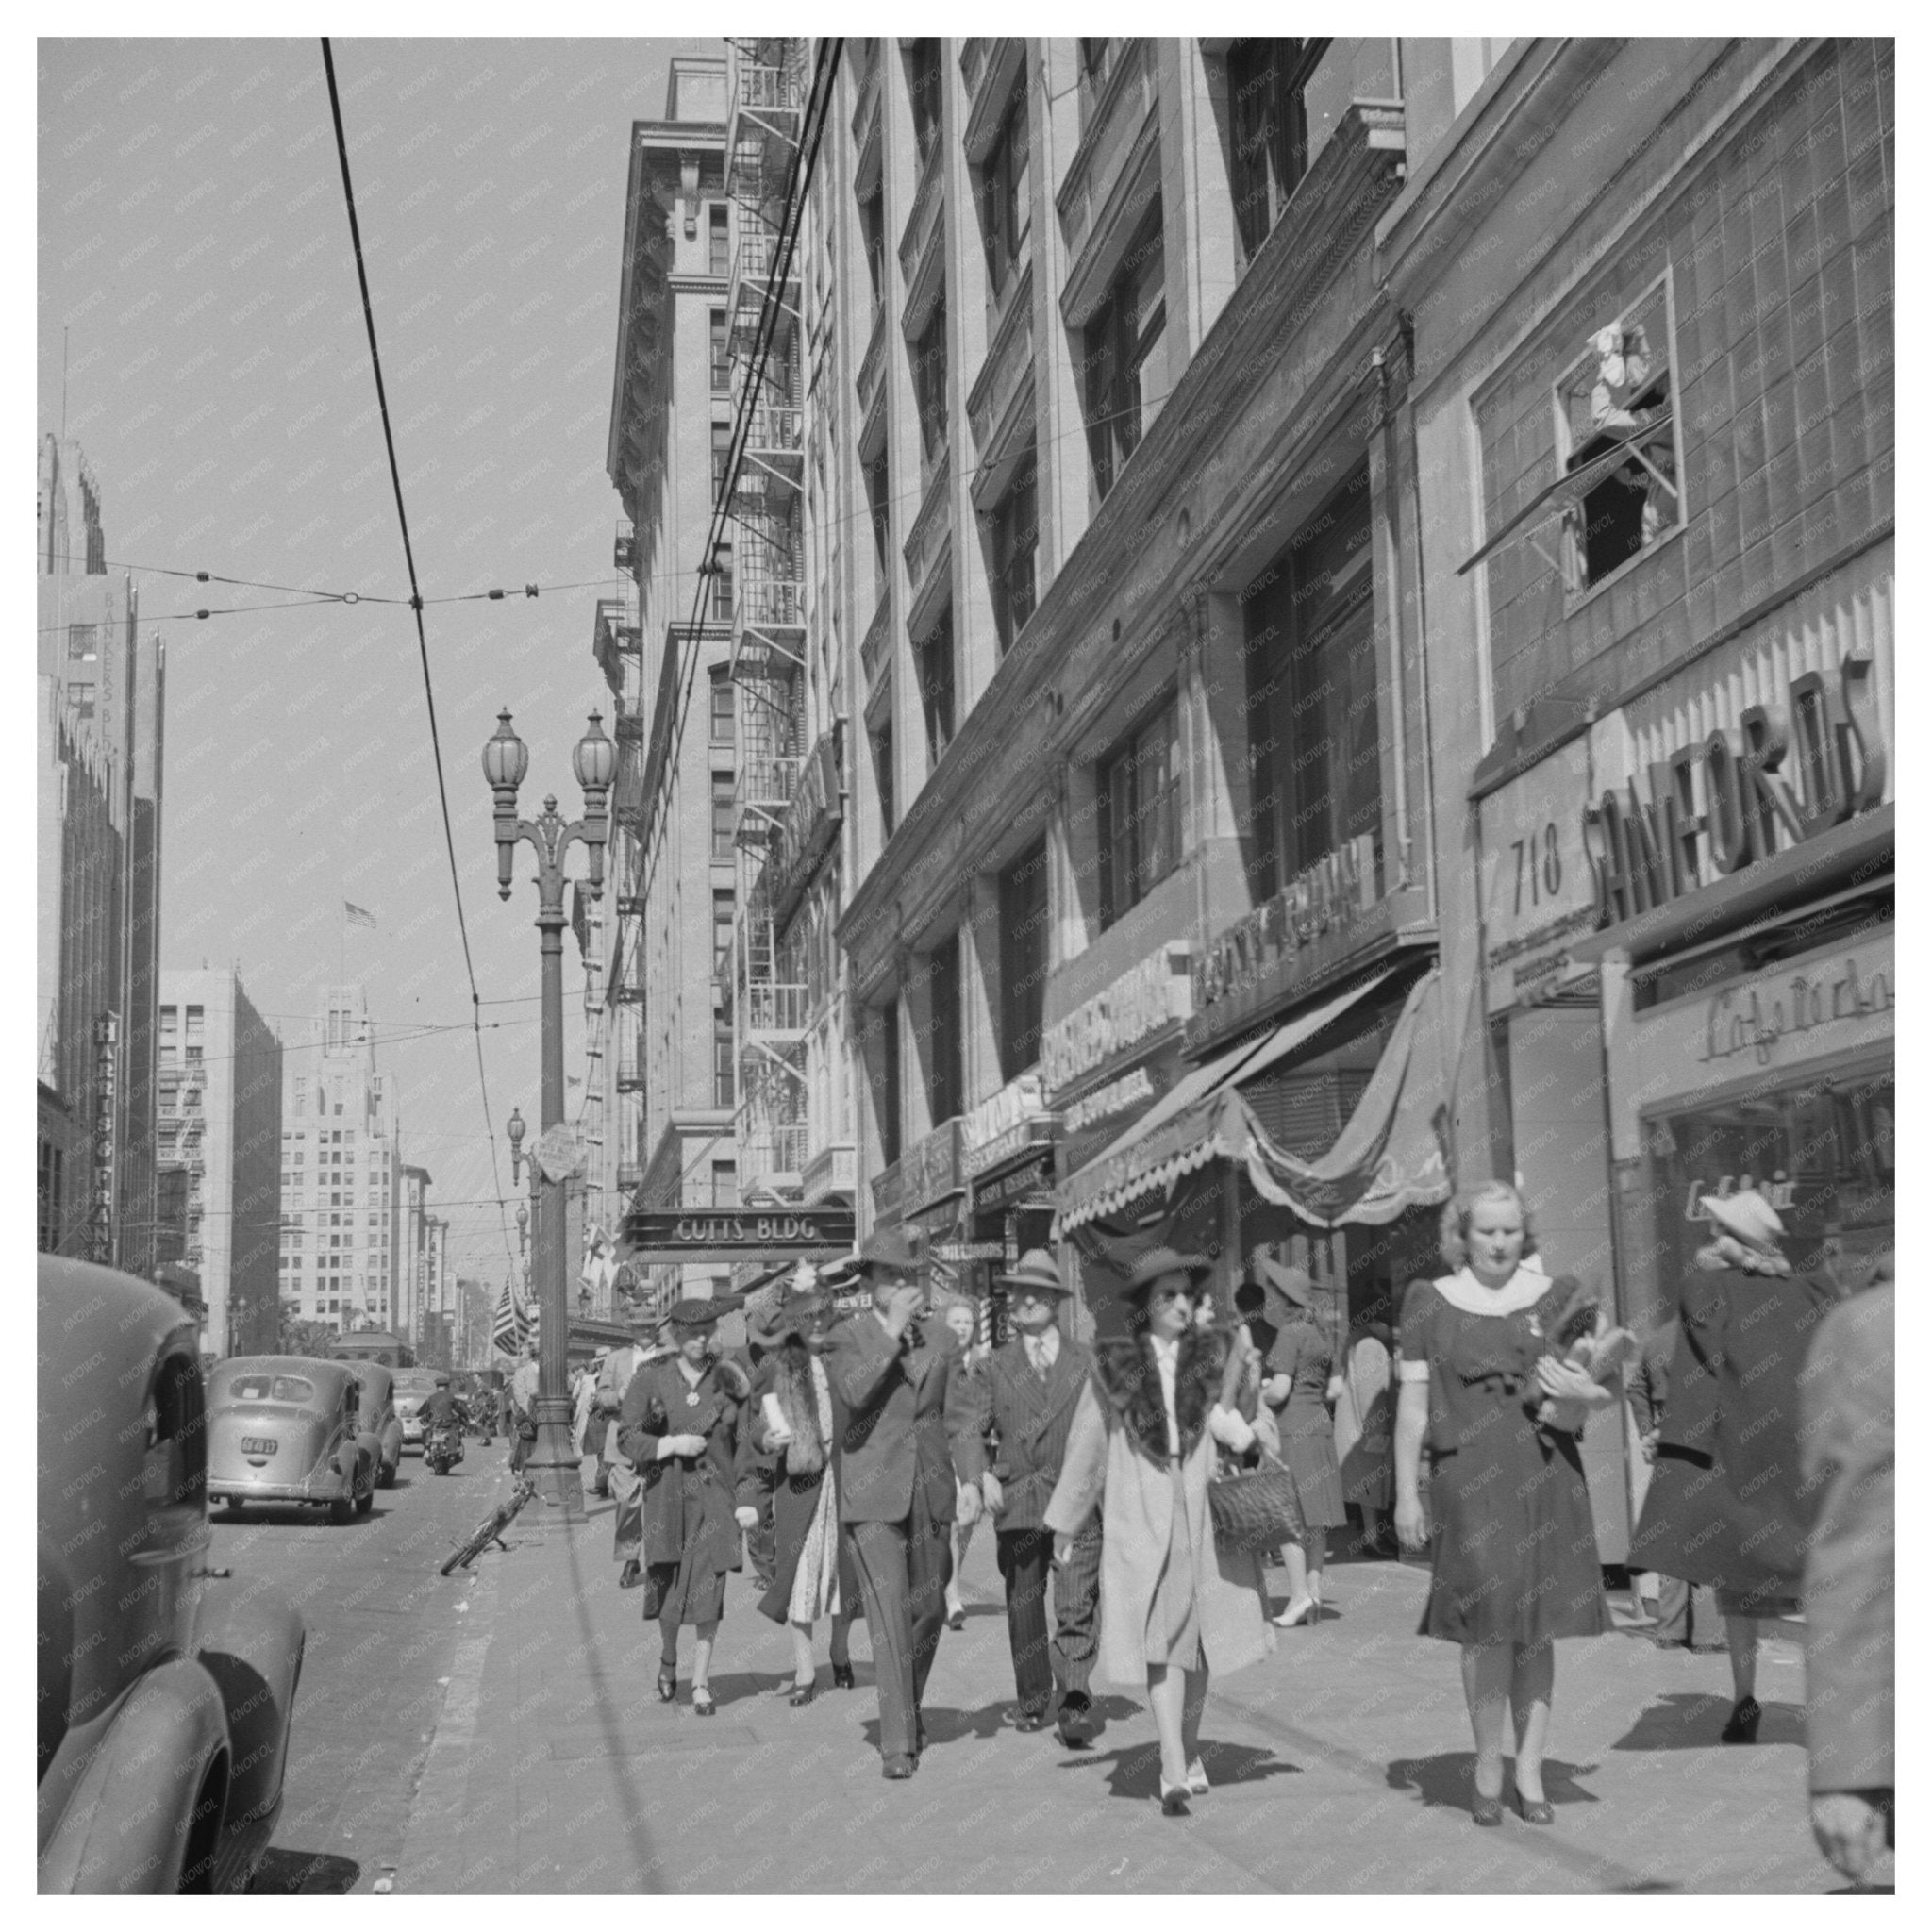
[505,760]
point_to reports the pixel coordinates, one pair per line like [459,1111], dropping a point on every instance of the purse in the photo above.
[1256,1510]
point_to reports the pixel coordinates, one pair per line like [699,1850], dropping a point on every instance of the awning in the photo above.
[1388,1157]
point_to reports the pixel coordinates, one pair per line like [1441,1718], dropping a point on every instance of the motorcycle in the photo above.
[443,1448]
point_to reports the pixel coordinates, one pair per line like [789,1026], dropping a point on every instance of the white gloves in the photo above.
[669,1446]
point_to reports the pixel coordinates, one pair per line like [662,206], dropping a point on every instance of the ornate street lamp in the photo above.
[505,760]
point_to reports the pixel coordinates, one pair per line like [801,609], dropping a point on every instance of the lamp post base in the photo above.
[556,1472]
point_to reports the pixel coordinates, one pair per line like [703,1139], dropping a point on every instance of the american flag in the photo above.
[357,915]
[507,1333]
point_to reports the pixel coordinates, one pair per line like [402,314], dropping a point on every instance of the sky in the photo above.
[193,244]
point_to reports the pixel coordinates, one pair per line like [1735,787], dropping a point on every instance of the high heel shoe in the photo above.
[1197,1778]
[842,1678]
[1742,1727]
[1534,1810]
[702,1702]
[1484,1810]
[803,1694]
[956,1620]
[666,1683]
[1303,1610]
[1173,1801]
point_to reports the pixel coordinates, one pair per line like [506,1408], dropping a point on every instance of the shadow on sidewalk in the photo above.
[1447,1779]
[1691,1721]
[1133,1770]
[285,1873]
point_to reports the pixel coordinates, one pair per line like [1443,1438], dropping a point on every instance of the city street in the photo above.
[500,1734]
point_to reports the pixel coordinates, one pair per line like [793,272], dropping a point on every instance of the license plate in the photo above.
[257,1445]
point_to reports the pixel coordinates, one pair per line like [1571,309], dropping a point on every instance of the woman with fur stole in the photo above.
[1141,1449]
[797,1425]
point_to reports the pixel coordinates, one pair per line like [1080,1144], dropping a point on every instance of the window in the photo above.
[720,459]
[926,83]
[52,1160]
[872,226]
[1310,634]
[946,1070]
[82,647]
[936,691]
[1268,130]
[721,354]
[1015,538]
[721,241]
[889,1127]
[878,500]
[1024,931]
[882,768]
[722,815]
[724,695]
[1005,199]
[169,1016]
[1126,364]
[723,905]
[929,388]
[1139,786]
[723,1184]
[193,1026]
[1098,59]
[722,588]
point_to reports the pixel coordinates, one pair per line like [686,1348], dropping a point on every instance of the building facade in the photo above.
[99,740]
[341,1179]
[220,1148]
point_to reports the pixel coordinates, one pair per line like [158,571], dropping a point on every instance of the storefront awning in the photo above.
[1389,1157]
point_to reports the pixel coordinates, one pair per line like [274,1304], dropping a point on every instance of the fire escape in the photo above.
[620,653]
[765,979]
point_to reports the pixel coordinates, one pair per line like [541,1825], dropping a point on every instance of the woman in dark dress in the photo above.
[796,1427]
[681,1428]
[1516,1560]
[1299,1366]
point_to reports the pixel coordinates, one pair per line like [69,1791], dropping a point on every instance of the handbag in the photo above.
[1256,1510]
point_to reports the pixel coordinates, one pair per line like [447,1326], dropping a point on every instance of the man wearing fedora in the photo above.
[910,1463]
[1027,1396]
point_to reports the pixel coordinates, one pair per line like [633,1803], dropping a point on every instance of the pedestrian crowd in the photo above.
[1148,1481]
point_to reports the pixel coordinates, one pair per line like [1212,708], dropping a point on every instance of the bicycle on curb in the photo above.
[491,1531]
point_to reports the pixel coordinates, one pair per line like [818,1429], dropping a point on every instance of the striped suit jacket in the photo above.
[1024,1423]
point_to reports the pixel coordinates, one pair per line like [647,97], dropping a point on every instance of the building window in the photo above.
[720,459]
[929,388]
[936,685]
[82,647]
[194,1024]
[1139,786]
[1023,932]
[872,226]
[722,906]
[1126,360]
[878,500]
[724,1067]
[925,84]
[1006,198]
[722,815]
[721,241]
[945,1069]
[890,1131]
[723,1184]
[1098,59]
[722,586]
[882,768]
[723,696]
[721,354]
[169,1016]
[1268,131]
[50,1176]
[1309,635]
[1015,538]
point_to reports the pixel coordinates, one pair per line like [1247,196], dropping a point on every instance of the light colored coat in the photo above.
[1135,1495]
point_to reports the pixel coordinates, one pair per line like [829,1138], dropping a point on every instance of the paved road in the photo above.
[383,1626]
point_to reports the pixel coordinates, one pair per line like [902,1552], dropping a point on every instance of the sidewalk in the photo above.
[1341,1763]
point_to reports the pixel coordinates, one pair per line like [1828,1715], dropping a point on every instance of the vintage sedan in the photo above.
[413,1388]
[283,1428]
[166,1686]
[379,1418]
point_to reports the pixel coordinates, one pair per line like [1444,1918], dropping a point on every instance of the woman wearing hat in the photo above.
[681,1427]
[795,1425]
[1728,1504]
[1142,1450]
[1299,1366]
[1515,1557]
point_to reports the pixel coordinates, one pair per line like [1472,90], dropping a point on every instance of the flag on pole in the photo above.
[508,1332]
[357,915]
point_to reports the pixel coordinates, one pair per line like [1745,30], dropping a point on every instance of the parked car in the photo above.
[380,1416]
[413,1390]
[285,1428]
[165,1686]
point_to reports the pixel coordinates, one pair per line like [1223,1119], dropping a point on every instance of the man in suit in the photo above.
[1027,1393]
[909,1462]
[1849,1642]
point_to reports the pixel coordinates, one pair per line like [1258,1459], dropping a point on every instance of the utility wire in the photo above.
[395,474]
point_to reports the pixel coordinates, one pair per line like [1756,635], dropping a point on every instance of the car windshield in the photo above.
[266,1388]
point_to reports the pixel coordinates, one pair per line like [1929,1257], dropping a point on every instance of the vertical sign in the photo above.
[107,1062]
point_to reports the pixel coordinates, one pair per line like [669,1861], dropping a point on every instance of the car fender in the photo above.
[127,1826]
[369,1447]
[250,1639]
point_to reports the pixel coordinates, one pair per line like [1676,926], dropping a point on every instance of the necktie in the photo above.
[1036,1352]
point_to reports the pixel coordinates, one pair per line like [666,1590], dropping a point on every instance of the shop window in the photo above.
[929,388]
[1139,791]
[1023,951]
[1315,757]
[1125,362]
[937,686]
[1015,540]
[945,1064]
[1006,197]
[1268,131]
[721,241]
